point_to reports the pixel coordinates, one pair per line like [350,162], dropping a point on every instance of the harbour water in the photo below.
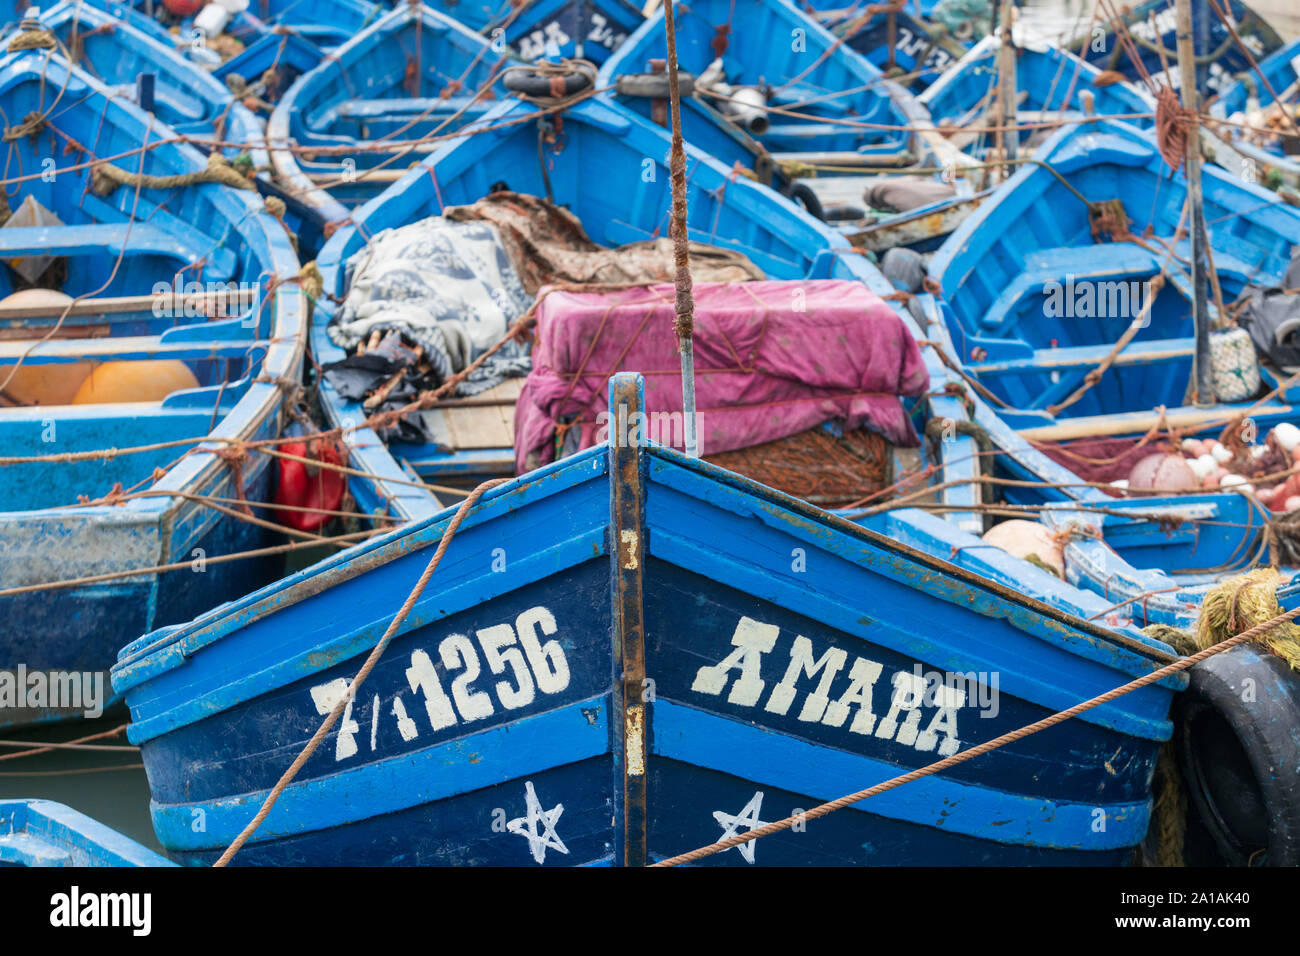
[111,787]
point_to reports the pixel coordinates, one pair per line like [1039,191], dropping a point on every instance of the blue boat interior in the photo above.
[1251,100]
[188,100]
[820,100]
[780,239]
[1052,86]
[405,78]
[1038,290]
[118,252]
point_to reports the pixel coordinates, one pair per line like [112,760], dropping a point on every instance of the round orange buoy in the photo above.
[41,384]
[1024,539]
[150,381]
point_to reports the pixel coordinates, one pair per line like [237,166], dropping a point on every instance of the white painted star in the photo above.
[526,826]
[748,817]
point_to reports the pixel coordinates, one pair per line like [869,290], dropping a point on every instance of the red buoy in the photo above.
[308,486]
[183,8]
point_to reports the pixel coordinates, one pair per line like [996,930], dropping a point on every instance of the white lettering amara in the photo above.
[835,705]
[74,908]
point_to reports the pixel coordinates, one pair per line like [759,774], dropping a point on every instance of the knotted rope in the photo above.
[34,36]
[1171,127]
[106,177]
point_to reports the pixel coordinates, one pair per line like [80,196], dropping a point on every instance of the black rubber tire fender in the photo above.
[530,82]
[803,195]
[1238,744]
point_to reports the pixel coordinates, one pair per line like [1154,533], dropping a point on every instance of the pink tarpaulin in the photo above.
[771,359]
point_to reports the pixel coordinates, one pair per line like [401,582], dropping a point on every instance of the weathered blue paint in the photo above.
[915,46]
[1212,39]
[42,833]
[525,765]
[115,51]
[362,94]
[586,29]
[1013,275]
[240,363]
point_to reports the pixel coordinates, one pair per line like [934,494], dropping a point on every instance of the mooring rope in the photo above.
[287,777]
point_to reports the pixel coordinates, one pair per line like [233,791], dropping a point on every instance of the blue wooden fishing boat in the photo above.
[149,72]
[323,23]
[43,833]
[105,273]
[782,79]
[1041,282]
[735,214]
[582,29]
[653,694]
[1052,86]
[904,40]
[623,728]
[1152,26]
[1260,100]
[412,76]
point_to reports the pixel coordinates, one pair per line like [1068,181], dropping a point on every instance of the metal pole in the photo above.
[685,321]
[1202,380]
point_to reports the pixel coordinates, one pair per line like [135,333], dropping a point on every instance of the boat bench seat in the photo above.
[1142,352]
[404,106]
[1105,260]
[118,238]
[125,347]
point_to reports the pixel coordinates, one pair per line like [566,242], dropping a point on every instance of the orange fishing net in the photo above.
[815,465]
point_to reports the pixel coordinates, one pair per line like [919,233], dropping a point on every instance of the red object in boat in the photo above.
[183,8]
[308,486]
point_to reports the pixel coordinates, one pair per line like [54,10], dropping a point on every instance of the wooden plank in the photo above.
[1097,426]
[115,305]
[485,421]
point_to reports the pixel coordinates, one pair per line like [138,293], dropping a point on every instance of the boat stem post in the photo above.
[1008,132]
[1202,383]
[684,325]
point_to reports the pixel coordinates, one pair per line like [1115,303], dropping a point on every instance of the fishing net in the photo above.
[816,465]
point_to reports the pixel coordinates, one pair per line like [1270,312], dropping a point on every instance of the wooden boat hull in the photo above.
[1033,302]
[122,246]
[186,99]
[1234,151]
[585,29]
[658,685]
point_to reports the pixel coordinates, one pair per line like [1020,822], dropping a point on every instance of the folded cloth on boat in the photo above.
[548,246]
[904,193]
[447,286]
[771,359]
